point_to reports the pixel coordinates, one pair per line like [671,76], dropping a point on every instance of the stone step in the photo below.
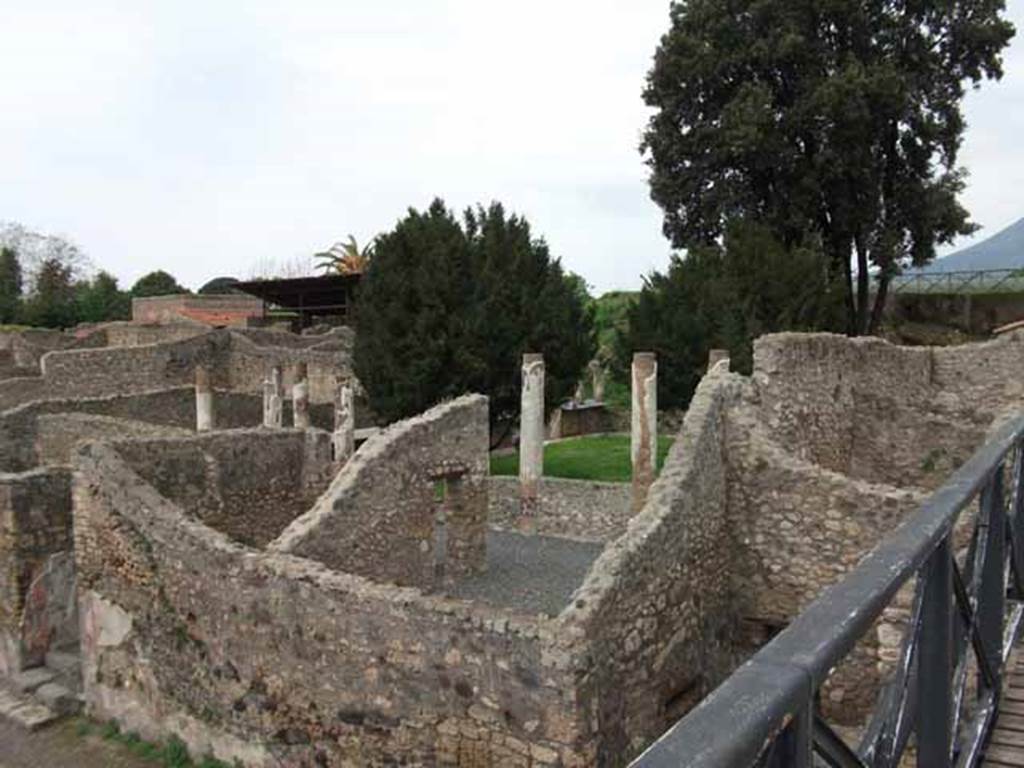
[58,699]
[27,681]
[63,661]
[23,711]
[67,668]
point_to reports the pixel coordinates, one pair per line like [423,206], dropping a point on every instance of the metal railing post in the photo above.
[935,661]
[992,592]
[794,748]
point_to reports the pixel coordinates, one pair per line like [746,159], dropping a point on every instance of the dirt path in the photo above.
[61,746]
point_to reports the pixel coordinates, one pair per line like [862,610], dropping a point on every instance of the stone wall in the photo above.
[275,660]
[58,434]
[381,519]
[866,408]
[212,309]
[248,484]
[235,364]
[578,509]
[249,362]
[35,523]
[123,334]
[653,623]
[168,408]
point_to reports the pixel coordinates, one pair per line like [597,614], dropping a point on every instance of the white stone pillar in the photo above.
[644,434]
[597,380]
[273,399]
[204,400]
[300,398]
[715,356]
[531,434]
[344,438]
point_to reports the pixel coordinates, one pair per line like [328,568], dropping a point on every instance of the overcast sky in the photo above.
[206,138]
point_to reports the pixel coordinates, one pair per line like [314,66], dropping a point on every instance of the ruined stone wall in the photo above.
[799,528]
[379,518]
[578,509]
[249,362]
[170,407]
[654,621]
[124,334]
[247,484]
[905,416]
[35,522]
[276,660]
[58,434]
[217,310]
[103,371]
[234,362]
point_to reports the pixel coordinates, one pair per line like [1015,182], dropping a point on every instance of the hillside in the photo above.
[1003,250]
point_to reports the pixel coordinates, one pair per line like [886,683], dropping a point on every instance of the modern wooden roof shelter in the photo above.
[310,297]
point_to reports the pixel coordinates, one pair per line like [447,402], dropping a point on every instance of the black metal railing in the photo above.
[962,281]
[944,693]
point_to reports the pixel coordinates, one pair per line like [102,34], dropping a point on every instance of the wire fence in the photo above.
[969,281]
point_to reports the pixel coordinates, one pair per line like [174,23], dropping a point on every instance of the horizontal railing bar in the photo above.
[732,725]
[737,722]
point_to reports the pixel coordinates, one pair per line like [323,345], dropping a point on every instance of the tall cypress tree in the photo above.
[10,286]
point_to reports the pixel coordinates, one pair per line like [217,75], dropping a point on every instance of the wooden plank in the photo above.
[1011,722]
[1007,738]
[1006,755]
[1012,706]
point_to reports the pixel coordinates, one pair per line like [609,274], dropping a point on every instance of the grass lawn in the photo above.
[605,457]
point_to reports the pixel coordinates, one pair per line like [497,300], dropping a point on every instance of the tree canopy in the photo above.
[449,306]
[830,118]
[52,303]
[100,299]
[219,285]
[724,296]
[158,283]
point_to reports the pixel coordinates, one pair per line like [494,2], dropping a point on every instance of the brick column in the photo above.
[531,434]
[643,442]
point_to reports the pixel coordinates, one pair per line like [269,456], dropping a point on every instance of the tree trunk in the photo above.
[841,256]
[880,298]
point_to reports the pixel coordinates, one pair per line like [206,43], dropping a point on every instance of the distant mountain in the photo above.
[1004,250]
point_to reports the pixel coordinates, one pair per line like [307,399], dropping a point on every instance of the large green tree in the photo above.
[100,299]
[835,118]
[10,285]
[52,302]
[158,283]
[724,296]
[448,306]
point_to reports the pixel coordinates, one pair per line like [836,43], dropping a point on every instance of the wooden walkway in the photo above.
[1006,747]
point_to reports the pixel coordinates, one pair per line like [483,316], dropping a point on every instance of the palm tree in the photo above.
[345,258]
